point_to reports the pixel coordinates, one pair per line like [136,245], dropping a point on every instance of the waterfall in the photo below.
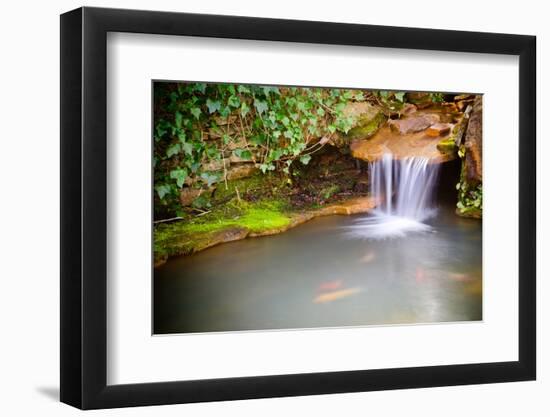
[404,189]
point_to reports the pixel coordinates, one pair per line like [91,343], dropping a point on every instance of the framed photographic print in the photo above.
[257,208]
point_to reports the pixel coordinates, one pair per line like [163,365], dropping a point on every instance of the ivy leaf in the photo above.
[275,154]
[173,149]
[243,89]
[209,177]
[268,90]
[187,148]
[244,109]
[212,105]
[201,202]
[261,106]
[234,101]
[201,87]
[195,111]
[179,175]
[162,190]
[224,112]
[400,96]
[267,167]
[258,139]
[304,159]
[162,127]
[178,117]
[243,154]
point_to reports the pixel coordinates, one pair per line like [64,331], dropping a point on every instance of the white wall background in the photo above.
[29,213]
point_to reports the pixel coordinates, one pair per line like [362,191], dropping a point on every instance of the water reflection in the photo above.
[316,276]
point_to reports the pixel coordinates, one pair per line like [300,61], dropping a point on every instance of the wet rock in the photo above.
[241,171]
[353,206]
[408,109]
[413,124]
[438,129]
[461,125]
[473,144]
[208,240]
[229,235]
[389,139]
[461,97]
[213,166]
[461,105]
[421,100]
[367,119]
[361,109]
[449,107]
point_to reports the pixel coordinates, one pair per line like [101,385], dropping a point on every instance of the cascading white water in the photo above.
[405,191]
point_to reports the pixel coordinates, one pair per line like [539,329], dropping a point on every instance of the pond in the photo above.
[322,275]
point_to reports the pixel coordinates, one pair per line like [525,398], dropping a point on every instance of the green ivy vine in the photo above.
[198,127]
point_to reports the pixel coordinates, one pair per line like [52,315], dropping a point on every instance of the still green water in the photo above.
[319,275]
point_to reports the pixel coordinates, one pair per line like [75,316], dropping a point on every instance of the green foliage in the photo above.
[196,124]
[392,100]
[329,191]
[470,196]
[436,97]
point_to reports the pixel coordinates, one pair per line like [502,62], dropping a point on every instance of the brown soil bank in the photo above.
[185,239]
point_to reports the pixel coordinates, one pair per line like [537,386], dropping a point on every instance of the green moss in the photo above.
[191,235]
[447,146]
[244,185]
[471,212]
[255,217]
[366,127]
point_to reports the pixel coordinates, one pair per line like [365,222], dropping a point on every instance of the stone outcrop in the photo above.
[239,171]
[473,145]
[438,129]
[429,133]
[413,124]
[367,119]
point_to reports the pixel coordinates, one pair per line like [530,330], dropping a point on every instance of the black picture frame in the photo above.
[84,207]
